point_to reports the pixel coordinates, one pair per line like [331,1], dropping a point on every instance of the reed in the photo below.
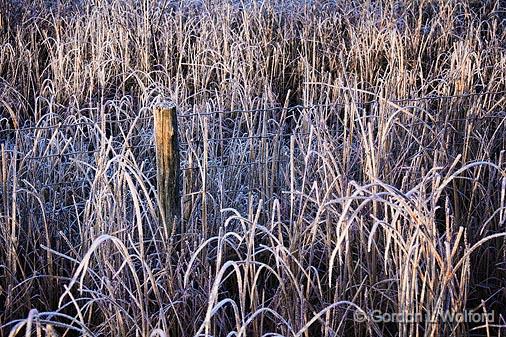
[333,165]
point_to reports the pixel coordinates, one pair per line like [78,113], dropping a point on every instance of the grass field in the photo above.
[343,168]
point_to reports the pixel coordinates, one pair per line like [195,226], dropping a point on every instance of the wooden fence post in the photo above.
[167,163]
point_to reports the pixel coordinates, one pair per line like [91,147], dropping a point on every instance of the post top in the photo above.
[165,105]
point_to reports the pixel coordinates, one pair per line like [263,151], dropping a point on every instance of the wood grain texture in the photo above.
[168,163]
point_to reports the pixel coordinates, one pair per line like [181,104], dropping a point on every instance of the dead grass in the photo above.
[357,200]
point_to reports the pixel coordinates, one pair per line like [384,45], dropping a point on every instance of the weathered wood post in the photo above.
[167,163]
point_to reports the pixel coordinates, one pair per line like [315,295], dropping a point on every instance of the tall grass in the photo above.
[315,191]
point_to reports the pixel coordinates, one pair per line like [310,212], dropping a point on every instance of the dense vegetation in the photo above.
[339,159]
